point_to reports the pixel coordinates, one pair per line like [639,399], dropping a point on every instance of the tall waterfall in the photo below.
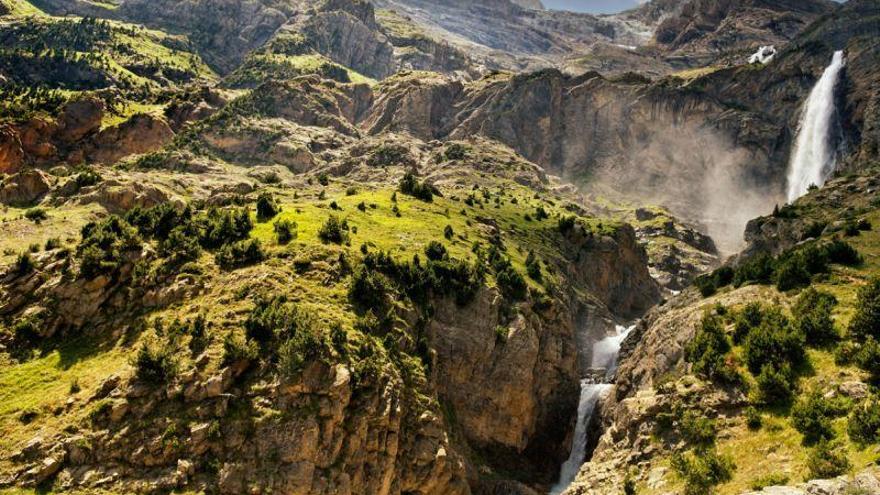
[813,157]
[604,356]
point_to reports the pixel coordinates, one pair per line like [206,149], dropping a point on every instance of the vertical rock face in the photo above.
[657,143]
[413,102]
[531,363]
[11,154]
[346,31]
[705,26]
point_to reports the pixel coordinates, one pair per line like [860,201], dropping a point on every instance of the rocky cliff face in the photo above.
[709,28]
[636,138]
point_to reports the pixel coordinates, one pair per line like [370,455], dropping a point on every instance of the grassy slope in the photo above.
[777,448]
[43,384]
[21,8]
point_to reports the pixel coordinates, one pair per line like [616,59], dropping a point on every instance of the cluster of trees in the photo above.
[79,35]
[181,233]
[773,350]
[790,270]
[21,101]
[380,276]
[411,186]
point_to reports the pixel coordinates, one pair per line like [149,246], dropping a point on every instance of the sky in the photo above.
[594,6]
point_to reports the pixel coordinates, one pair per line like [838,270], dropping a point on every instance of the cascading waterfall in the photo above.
[604,355]
[814,155]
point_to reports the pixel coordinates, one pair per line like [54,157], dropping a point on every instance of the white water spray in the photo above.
[604,355]
[813,157]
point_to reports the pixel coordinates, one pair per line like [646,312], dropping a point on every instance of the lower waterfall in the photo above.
[604,355]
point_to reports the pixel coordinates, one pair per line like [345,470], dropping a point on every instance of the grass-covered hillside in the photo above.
[167,319]
[776,357]
[47,60]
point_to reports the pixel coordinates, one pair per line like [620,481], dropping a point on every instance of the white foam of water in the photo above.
[606,350]
[604,355]
[813,157]
[591,394]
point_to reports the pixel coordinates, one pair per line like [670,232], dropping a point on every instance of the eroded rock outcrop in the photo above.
[24,188]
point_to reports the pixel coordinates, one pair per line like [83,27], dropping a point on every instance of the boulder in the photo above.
[141,133]
[24,188]
[11,154]
[80,118]
[119,197]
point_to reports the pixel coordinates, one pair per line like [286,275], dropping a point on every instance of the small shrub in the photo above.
[386,155]
[541,214]
[103,245]
[351,191]
[749,317]
[436,251]
[240,254]
[24,264]
[267,208]
[863,425]
[812,415]
[154,364]
[851,229]
[842,253]
[812,317]
[565,223]
[237,349]
[285,231]
[305,346]
[754,421]
[448,233]
[334,231]
[814,230]
[792,273]
[411,186]
[36,215]
[455,151]
[511,283]
[866,321]
[368,289]
[773,342]
[828,460]
[87,178]
[52,243]
[867,357]
[533,267]
[219,227]
[629,484]
[180,247]
[775,385]
[708,350]
[701,471]
[697,429]
[758,268]
[706,285]
[773,479]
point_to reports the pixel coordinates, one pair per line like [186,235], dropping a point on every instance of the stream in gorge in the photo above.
[604,356]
